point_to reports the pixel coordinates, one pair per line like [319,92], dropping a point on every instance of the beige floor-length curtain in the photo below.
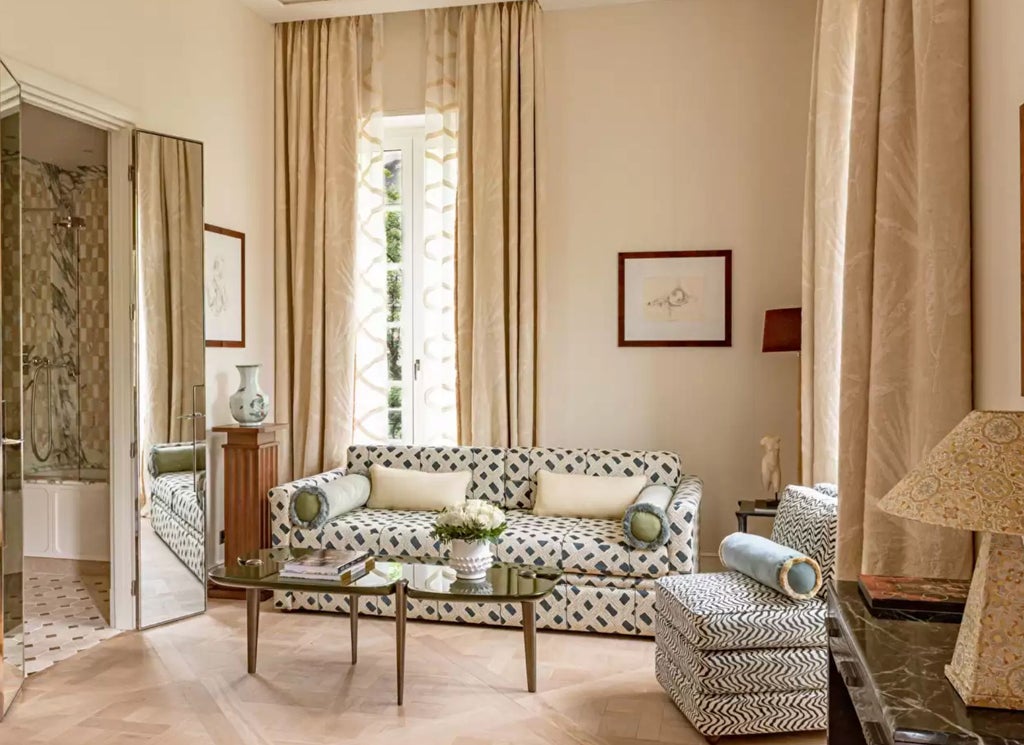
[327,104]
[887,363]
[172,347]
[499,91]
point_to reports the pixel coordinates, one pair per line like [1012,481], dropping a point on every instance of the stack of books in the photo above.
[328,565]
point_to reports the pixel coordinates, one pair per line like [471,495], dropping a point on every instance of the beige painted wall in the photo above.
[998,91]
[675,125]
[202,69]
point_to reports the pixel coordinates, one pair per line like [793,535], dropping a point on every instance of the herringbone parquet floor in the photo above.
[465,685]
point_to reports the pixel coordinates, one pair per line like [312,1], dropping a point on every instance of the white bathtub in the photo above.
[66,519]
[65,474]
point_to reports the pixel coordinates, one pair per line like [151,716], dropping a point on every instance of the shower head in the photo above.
[70,221]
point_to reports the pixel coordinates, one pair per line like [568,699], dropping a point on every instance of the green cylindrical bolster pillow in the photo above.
[175,457]
[775,566]
[645,523]
[313,506]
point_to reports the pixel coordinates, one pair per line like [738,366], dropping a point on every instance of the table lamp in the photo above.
[782,334]
[974,480]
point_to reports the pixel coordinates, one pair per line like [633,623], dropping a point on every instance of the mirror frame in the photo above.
[139,457]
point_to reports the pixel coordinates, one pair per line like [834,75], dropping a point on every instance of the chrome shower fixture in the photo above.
[70,221]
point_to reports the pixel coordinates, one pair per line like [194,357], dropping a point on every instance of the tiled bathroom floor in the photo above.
[64,615]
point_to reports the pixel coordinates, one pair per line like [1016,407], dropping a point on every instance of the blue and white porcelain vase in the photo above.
[249,404]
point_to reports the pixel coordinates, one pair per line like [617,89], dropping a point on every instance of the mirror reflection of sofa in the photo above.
[608,586]
[177,506]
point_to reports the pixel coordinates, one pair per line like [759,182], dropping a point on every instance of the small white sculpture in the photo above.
[771,471]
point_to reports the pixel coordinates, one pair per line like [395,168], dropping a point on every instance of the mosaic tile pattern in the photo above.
[63,617]
[65,315]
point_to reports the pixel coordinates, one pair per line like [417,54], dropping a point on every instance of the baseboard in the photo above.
[66,567]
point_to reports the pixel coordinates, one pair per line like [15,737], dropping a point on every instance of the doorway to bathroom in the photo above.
[66,386]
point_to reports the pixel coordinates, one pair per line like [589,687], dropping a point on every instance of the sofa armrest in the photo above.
[280,498]
[684,526]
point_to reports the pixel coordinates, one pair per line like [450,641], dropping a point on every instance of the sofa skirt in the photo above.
[606,605]
[184,540]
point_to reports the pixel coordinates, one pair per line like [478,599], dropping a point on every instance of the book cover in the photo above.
[325,561]
[914,597]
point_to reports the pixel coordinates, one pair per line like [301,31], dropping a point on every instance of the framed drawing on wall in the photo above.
[224,275]
[675,299]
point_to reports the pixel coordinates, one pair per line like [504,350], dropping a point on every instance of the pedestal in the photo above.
[250,472]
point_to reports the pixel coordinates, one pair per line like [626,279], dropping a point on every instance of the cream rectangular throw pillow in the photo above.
[574,495]
[402,489]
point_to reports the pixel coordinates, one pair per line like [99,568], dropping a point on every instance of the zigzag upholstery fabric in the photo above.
[178,519]
[739,658]
[608,586]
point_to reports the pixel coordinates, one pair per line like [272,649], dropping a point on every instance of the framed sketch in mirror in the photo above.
[224,276]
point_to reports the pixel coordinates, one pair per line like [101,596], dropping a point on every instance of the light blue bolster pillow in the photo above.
[775,566]
[645,523]
[313,506]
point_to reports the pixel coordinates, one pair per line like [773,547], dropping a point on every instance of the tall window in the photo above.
[420,300]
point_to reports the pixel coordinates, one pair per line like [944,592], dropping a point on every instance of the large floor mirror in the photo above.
[170,373]
[12,667]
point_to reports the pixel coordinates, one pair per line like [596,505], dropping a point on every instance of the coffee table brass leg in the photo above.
[400,638]
[530,642]
[353,616]
[252,626]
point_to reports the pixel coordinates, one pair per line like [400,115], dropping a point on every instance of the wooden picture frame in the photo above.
[224,280]
[653,299]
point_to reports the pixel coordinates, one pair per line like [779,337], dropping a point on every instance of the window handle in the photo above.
[416,370]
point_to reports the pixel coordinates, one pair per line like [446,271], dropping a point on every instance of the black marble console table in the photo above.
[887,685]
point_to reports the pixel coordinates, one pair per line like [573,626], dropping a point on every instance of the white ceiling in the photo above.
[278,11]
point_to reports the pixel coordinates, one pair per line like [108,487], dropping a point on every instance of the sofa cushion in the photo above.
[598,547]
[408,534]
[579,495]
[738,671]
[530,539]
[728,610]
[358,530]
[177,492]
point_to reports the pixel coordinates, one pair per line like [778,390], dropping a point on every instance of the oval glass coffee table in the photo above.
[404,577]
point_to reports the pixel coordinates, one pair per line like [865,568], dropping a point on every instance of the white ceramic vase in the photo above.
[249,404]
[471,559]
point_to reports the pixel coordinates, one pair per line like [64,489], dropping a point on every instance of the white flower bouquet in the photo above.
[473,520]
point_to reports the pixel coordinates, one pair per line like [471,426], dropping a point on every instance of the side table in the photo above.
[250,472]
[754,508]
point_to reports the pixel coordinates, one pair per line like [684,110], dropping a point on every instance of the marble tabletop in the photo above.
[905,661]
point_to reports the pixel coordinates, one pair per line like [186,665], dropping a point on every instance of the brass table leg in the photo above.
[400,638]
[353,617]
[252,626]
[530,642]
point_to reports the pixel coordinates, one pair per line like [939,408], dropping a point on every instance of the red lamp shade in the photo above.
[781,330]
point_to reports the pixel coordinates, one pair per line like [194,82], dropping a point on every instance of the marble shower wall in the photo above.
[65,317]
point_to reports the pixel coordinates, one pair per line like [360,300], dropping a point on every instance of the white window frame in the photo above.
[407,135]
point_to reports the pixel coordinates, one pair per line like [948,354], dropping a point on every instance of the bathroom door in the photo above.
[170,368]
[12,662]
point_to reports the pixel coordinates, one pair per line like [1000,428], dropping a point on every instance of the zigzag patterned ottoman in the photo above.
[738,658]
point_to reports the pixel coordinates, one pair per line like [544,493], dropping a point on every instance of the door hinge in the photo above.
[131,312]
[131,173]
[135,588]
[416,370]
[133,450]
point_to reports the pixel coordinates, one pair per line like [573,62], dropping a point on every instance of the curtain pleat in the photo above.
[887,294]
[327,97]
[498,87]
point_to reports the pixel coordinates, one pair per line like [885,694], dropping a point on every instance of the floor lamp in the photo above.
[782,334]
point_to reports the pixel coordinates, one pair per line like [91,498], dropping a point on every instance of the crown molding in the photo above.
[40,88]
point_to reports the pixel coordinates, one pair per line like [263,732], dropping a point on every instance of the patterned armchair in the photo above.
[739,658]
[608,586]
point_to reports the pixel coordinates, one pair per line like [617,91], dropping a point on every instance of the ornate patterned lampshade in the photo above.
[974,479]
